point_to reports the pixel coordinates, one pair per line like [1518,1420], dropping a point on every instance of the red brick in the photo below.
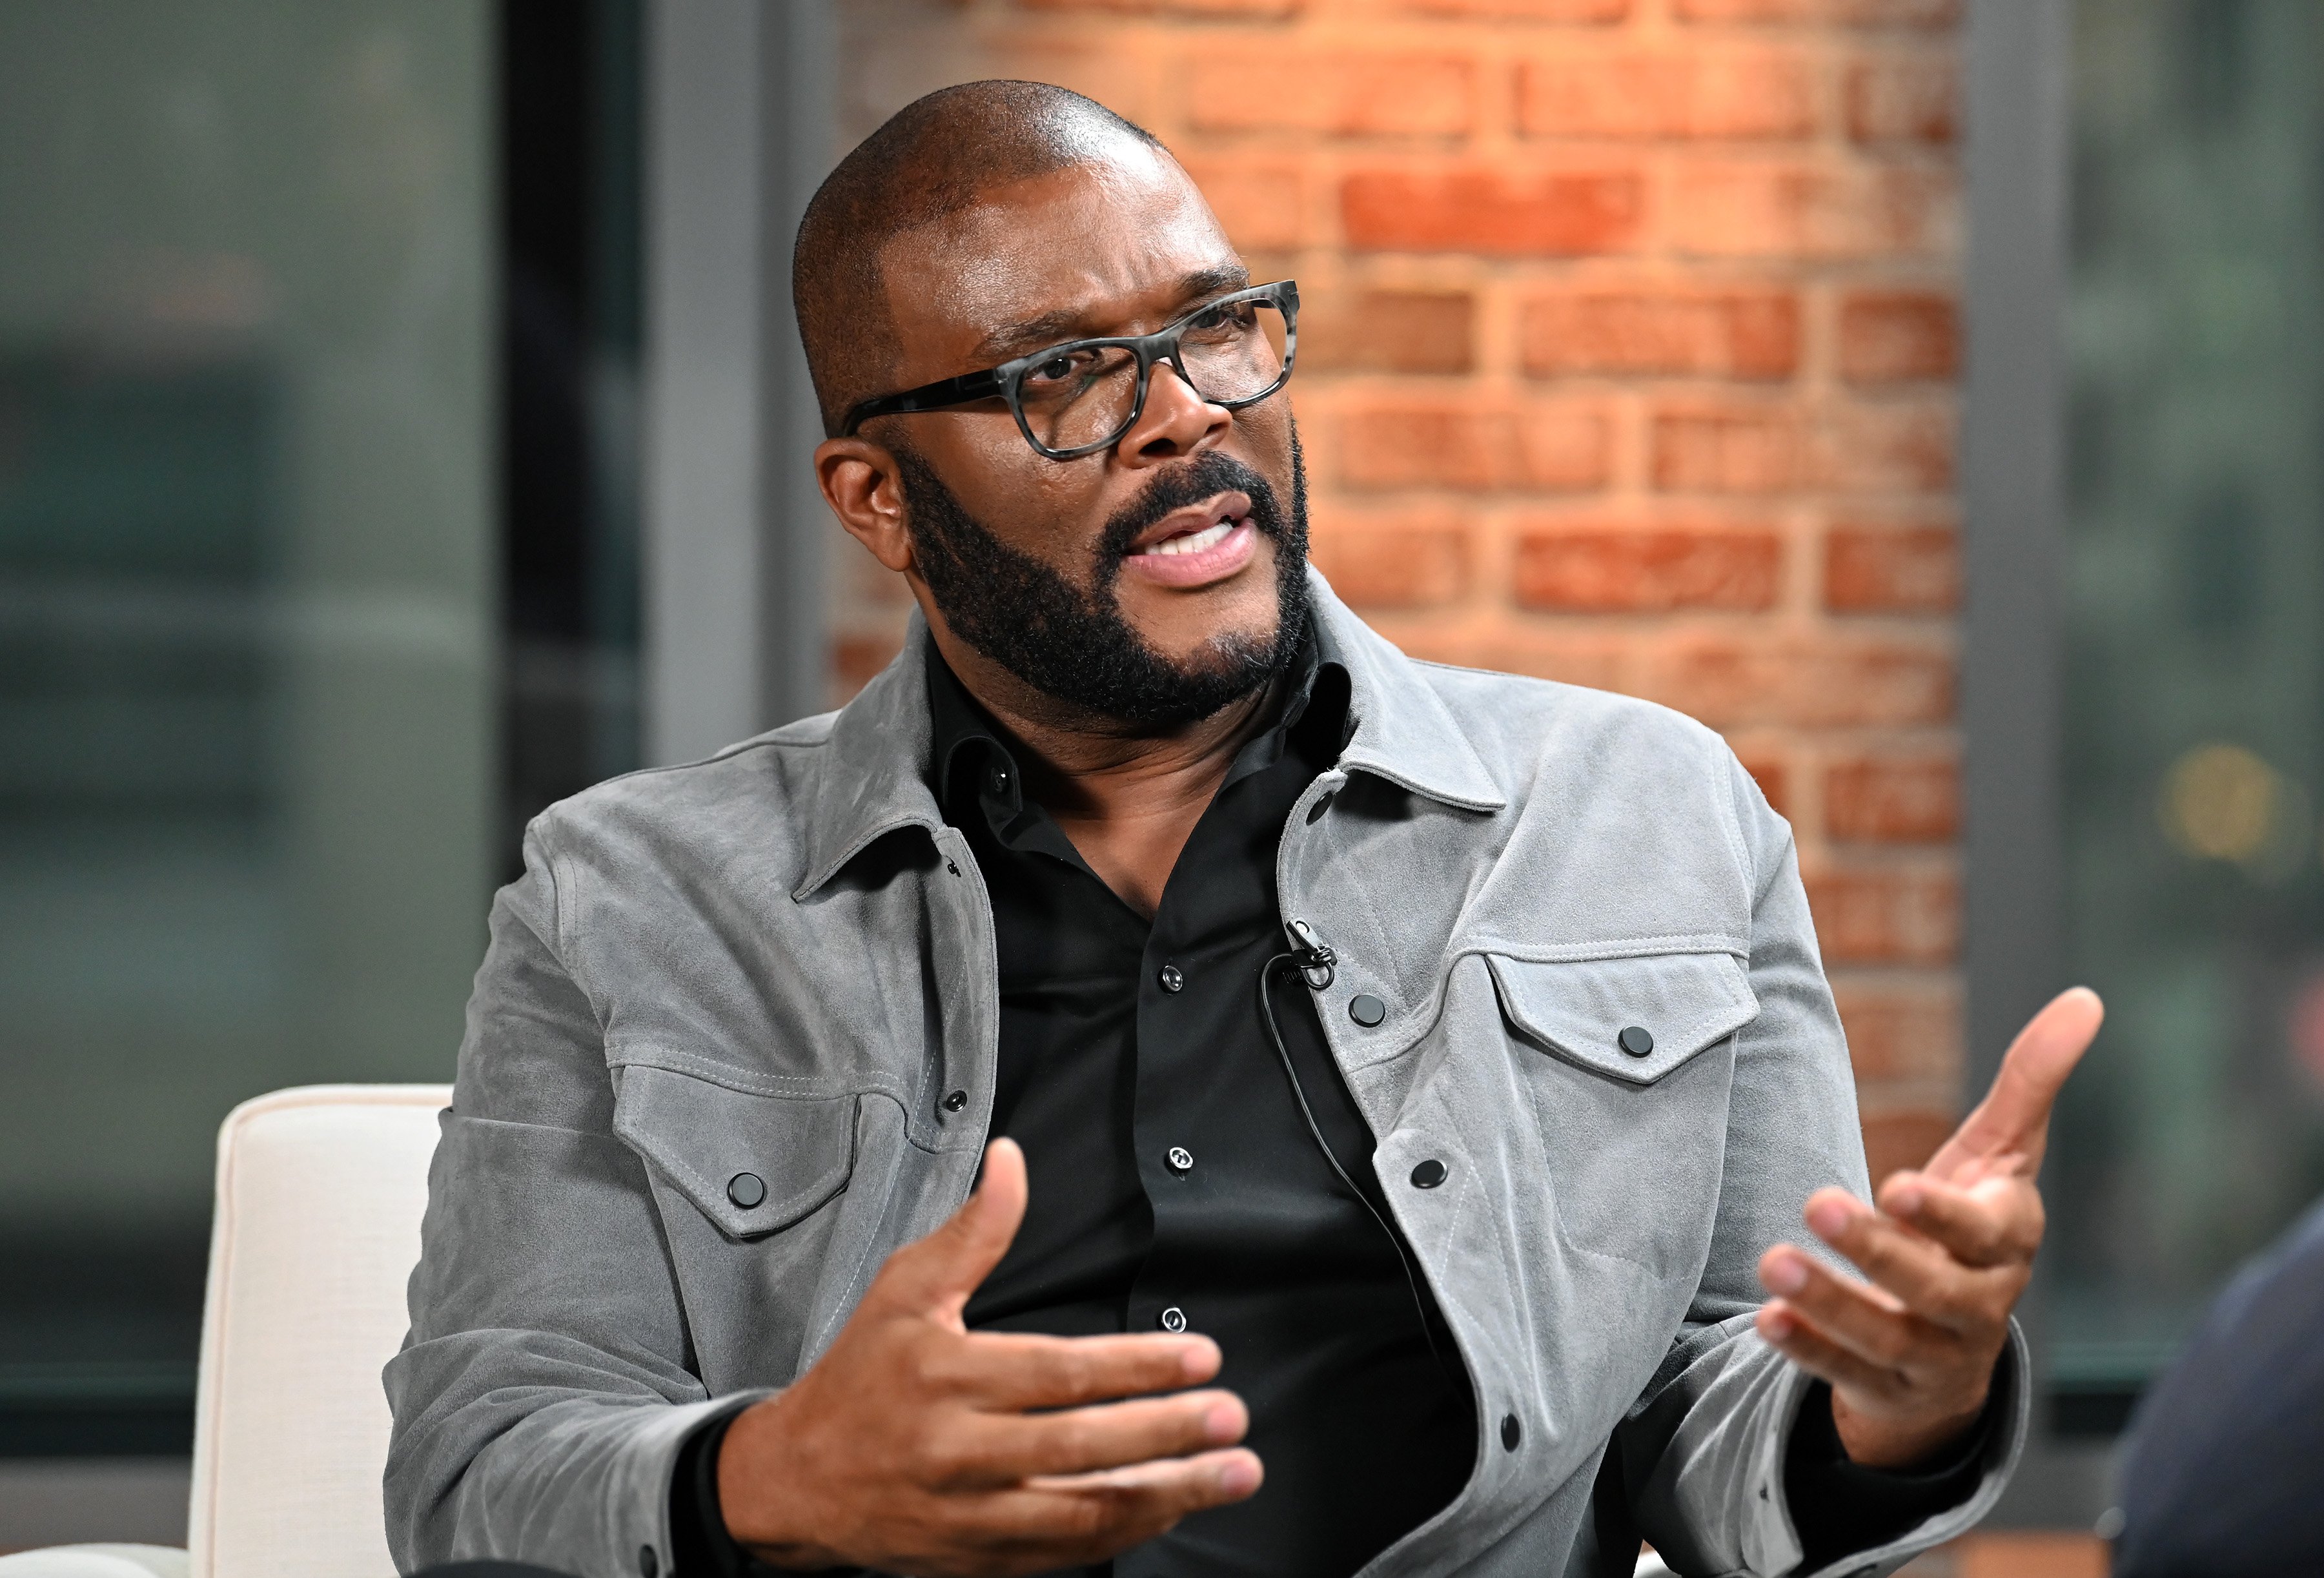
[1483,209]
[1762,681]
[1886,916]
[1931,13]
[1662,94]
[1892,799]
[1759,681]
[1226,8]
[1553,446]
[1423,95]
[1728,448]
[855,658]
[1587,11]
[1260,203]
[1723,334]
[1409,561]
[1887,448]
[1902,1035]
[1895,1142]
[1604,567]
[1894,337]
[1800,212]
[1902,98]
[1388,331]
[1892,569]
[1771,773]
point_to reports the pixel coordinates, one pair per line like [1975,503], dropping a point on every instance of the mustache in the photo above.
[1206,476]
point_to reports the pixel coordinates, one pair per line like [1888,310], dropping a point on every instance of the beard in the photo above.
[1072,644]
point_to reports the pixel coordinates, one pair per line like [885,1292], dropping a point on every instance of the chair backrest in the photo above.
[320,1194]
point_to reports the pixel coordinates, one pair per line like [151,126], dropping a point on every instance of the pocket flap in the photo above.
[753,1164]
[1584,1009]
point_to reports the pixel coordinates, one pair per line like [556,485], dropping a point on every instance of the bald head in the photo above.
[934,159]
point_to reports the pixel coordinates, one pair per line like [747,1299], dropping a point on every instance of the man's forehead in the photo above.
[1095,247]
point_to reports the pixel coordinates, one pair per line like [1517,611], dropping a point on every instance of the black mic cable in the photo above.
[1316,964]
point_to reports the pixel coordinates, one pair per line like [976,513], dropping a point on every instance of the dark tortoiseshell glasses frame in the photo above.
[1007,381]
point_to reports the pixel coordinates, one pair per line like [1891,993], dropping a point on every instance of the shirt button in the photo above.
[1181,1160]
[1315,812]
[1511,1433]
[1636,1040]
[955,1101]
[746,1190]
[1173,1319]
[999,781]
[1367,1011]
[647,1562]
[1170,978]
[1428,1174]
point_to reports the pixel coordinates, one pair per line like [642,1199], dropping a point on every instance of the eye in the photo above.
[1064,367]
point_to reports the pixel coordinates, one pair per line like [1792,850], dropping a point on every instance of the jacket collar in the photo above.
[876,772]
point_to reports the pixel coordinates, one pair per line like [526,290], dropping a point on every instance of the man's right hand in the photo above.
[913,1444]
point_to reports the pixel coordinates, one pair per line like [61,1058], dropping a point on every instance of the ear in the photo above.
[861,485]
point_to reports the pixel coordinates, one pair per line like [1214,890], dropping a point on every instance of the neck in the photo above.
[1127,800]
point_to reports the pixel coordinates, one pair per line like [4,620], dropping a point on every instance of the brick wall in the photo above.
[1629,358]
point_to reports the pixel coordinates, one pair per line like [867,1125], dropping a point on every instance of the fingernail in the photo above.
[1776,1325]
[1239,1476]
[1788,1274]
[1199,1361]
[1828,1217]
[1222,1424]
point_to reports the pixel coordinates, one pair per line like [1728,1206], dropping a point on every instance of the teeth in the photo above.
[1194,541]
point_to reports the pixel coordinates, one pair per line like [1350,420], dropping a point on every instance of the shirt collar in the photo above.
[973,772]
[880,746]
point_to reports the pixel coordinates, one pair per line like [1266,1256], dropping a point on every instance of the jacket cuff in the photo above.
[639,1522]
[1772,1544]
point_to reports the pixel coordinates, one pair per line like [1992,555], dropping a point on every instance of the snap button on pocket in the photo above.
[955,1101]
[1636,1040]
[1428,1174]
[1367,1010]
[747,1190]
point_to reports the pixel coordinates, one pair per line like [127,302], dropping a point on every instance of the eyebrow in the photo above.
[1070,323]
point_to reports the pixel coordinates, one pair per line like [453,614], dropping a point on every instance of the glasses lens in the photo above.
[1234,350]
[1079,396]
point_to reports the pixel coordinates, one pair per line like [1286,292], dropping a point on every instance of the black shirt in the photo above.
[1174,1176]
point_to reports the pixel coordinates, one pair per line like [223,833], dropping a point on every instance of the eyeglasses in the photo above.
[1081,397]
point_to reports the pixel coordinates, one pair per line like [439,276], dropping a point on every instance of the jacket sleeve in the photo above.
[545,1388]
[1702,1454]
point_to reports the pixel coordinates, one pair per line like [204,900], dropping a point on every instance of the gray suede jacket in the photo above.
[781,961]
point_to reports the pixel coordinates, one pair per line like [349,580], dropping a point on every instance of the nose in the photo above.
[1176,422]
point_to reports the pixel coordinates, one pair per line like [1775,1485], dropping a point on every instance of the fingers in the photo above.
[1080,1518]
[1917,1274]
[1005,1449]
[1869,1321]
[1006,1371]
[939,1272]
[2014,1116]
[1826,1361]
[1996,1223]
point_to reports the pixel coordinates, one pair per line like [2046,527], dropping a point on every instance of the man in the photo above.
[1394,1076]
[2221,1465]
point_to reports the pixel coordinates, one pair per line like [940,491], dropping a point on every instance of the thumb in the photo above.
[2014,1119]
[936,1273]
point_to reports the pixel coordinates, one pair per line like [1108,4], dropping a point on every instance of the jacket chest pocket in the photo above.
[1629,1064]
[753,1164]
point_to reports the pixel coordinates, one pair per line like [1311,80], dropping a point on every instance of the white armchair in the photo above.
[320,1196]
[320,1190]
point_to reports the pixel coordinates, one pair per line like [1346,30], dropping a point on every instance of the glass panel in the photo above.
[248,671]
[2195,734]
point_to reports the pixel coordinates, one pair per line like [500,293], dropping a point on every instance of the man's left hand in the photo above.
[1911,1353]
